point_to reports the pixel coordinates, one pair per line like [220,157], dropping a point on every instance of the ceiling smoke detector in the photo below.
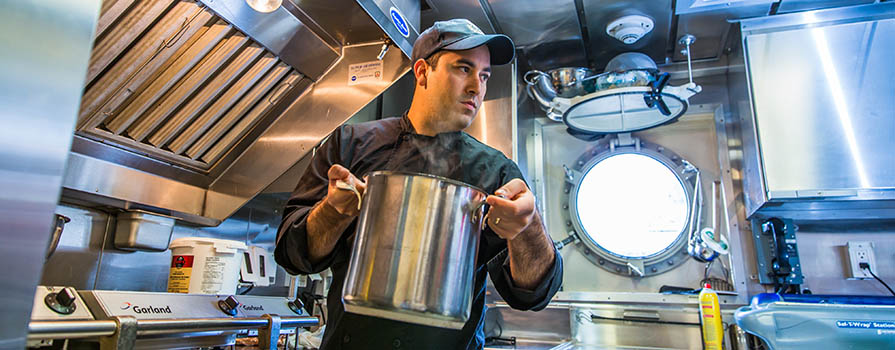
[629,29]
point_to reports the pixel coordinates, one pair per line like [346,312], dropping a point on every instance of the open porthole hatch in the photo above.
[631,205]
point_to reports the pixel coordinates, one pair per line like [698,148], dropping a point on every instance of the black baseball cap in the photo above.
[460,34]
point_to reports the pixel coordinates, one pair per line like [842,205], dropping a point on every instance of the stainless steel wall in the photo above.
[87,259]
[46,46]
[825,257]
[693,137]
[696,138]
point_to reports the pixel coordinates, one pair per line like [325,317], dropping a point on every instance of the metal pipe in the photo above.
[197,325]
[90,329]
[289,322]
[715,206]
[70,329]
[217,324]
[686,40]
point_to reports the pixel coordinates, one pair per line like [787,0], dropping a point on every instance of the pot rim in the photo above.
[436,177]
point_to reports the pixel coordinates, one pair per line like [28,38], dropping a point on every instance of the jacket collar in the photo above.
[407,128]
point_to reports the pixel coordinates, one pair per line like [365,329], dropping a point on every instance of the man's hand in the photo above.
[332,215]
[513,217]
[512,209]
[343,201]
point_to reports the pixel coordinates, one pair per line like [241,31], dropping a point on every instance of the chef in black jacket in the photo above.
[452,63]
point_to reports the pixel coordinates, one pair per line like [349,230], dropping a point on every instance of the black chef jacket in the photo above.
[392,144]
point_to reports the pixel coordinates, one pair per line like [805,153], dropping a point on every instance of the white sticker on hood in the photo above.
[365,73]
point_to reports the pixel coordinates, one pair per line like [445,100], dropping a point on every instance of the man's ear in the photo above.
[420,71]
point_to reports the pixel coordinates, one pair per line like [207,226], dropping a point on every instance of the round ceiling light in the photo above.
[264,6]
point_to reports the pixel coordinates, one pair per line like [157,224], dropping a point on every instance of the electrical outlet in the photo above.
[859,252]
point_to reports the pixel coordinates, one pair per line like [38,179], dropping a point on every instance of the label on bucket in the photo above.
[213,276]
[179,276]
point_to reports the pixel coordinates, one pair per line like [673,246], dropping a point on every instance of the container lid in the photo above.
[218,243]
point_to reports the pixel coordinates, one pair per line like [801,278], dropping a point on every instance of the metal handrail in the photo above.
[92,329]
[70,329]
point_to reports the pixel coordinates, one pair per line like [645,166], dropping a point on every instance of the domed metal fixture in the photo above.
[645,228]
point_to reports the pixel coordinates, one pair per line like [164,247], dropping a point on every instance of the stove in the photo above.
[165,320]
[148,306]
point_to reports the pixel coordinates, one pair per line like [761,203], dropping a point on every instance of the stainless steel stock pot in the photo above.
[415,250]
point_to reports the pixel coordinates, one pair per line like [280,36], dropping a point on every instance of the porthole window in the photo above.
[631,206]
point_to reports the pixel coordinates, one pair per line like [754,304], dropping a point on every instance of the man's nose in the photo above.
[474,86]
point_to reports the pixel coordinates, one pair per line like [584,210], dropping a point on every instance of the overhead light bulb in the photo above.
[264,6]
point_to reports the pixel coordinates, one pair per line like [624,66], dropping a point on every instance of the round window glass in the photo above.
[632,205]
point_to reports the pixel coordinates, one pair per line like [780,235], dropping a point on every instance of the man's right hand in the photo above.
[343,201]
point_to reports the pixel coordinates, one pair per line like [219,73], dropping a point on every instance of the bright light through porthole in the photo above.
[632,205]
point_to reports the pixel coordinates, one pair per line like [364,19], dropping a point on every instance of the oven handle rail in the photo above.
[121,332]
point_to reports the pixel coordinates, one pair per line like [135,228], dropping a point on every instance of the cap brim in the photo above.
[501,46]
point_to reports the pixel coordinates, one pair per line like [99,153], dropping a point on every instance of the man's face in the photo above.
[456,86]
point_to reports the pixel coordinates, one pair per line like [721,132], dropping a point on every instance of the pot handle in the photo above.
[476,212]
[531,77]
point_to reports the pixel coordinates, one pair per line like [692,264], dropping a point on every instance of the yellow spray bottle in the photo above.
[710,318]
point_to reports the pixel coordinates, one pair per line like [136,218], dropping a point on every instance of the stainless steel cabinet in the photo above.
[821,138]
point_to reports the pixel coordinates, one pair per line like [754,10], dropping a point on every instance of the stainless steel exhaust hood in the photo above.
[192,108]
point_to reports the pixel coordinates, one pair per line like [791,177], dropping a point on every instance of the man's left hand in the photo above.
[512,209]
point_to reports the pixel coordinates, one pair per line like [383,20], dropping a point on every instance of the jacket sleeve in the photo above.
[292,237]
[524,299]
[499,269]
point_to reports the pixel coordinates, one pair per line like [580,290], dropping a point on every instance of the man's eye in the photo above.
[485,77]
[464,69]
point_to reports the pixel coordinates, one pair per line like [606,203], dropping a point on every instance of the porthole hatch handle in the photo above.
[572,175]
[635,267]
[573,237]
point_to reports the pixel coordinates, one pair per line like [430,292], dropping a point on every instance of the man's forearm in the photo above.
[531,255]
[325,226]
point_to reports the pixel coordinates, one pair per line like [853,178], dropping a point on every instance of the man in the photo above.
[451,62]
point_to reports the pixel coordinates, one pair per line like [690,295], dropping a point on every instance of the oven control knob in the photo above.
[228,306]
[62,302]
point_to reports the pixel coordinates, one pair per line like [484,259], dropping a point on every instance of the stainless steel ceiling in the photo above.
[543,28]
[552,34]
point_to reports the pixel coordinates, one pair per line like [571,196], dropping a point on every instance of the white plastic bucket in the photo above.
[205,265]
